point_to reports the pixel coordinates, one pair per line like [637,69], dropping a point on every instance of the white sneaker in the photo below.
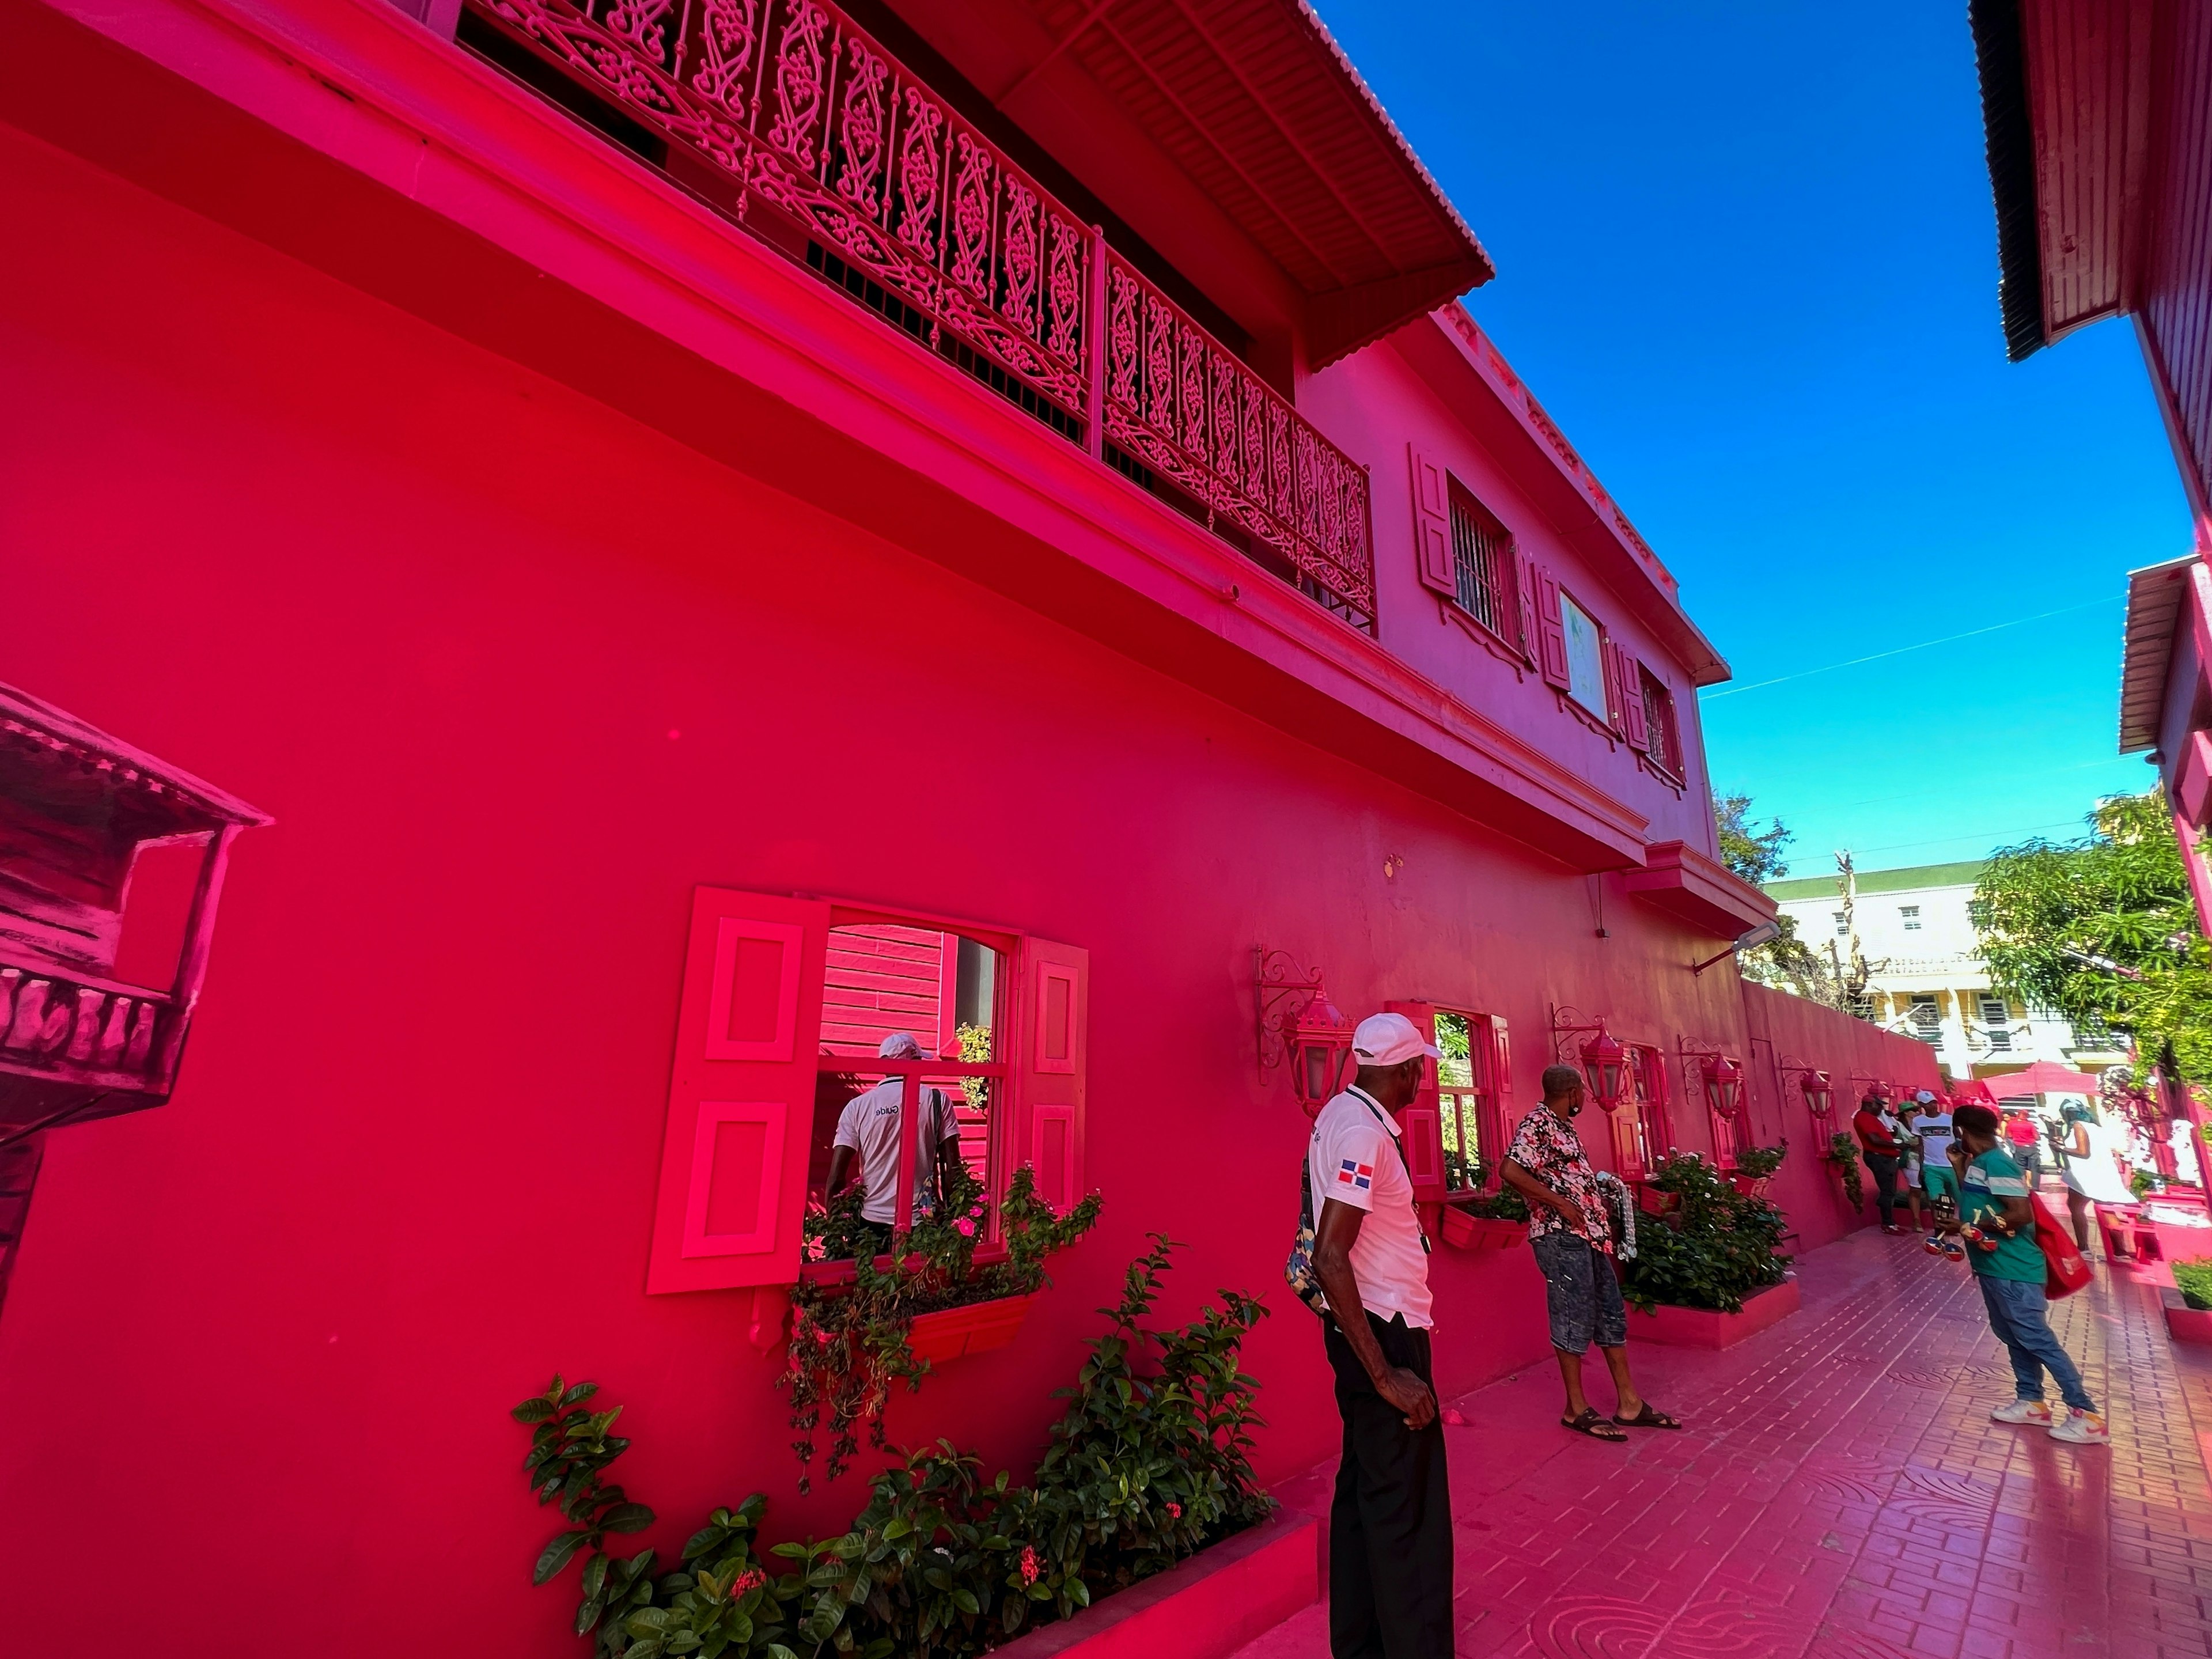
[2083,1429]
[2023,1410]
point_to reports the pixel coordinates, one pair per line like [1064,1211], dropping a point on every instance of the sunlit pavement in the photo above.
[1839,1492]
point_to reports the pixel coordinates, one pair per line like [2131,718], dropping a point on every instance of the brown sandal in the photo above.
[1591,1424]
[1648,1416]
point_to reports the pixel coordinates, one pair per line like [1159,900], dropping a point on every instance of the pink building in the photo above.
[717,530]
[2100,121]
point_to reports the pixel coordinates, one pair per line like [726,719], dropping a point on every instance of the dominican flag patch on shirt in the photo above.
[1351,1173]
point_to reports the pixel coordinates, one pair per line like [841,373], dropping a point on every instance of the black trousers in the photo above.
[1884,1171]
[1389,1528]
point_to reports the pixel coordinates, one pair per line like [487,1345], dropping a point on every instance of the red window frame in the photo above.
[1483,557]
[1477,1104]
[1643,1131]
[1663,724]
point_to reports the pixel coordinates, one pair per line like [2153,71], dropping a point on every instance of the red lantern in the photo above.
[1819,1096]
[1320,1043]
[1723,1086]
[1604,1062]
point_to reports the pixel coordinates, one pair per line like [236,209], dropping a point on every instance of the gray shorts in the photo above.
[1582,1293]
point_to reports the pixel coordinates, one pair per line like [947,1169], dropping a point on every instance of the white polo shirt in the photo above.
[870,1125]
[1354,1158]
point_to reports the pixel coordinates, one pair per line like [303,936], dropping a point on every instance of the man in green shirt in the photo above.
[1998,1223]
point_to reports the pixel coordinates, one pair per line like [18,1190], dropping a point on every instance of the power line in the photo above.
[1898,651]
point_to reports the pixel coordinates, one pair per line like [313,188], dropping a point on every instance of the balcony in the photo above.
[796,126]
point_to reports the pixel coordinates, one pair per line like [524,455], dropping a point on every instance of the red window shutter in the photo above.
[1497,1077]
[1635,726]
[1616,696]
[1551,632]
[1433,542]
[1421,1123]
[740,1094]
[1524,599]
[1053,1049]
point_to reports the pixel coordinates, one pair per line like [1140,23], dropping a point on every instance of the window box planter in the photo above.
[1701,1327]
[1749,1186]
[976,1328]
[1205,1608]
[1475,1232]
[2191,1327]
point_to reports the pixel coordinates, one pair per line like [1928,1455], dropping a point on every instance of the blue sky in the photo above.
[1746,258]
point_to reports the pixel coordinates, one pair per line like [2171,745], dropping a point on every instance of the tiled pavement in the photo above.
[1839,1493]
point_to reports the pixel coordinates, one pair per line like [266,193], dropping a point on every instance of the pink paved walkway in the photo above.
[1840,1493]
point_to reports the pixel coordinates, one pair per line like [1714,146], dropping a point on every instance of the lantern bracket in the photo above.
[1716,1078]
[1601,1058]
[1281,991]
[1813,1084]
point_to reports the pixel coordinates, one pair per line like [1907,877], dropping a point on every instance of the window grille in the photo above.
[1910,913]
[1666,734]
[1927,1021]
[1482,563]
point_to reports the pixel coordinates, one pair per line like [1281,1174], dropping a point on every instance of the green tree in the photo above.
[1757,855]
[2103,928]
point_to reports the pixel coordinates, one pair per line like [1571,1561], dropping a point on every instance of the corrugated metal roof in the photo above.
[2154,596]
[1961,873]
[1255,100]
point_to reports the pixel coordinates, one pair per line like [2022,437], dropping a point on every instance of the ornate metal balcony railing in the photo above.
[790,120]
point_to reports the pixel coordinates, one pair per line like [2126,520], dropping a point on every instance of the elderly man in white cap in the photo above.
[868,1127]
[1389,1528]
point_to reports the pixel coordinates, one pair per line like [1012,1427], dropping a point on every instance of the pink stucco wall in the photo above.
[514,670]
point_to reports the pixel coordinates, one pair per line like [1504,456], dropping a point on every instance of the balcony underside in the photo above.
[441,189]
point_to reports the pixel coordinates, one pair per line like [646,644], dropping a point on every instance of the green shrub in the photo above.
[1845,1152]
[2194,1279]
[1713,1247]
[1150,1463]
[1504,1205]
[1759,1162]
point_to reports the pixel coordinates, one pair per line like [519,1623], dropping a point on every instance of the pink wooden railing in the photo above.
[790,120]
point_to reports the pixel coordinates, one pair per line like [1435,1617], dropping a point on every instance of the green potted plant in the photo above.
[1755,1167]
[1476,1221]
[1714,1251]
[1843,1156]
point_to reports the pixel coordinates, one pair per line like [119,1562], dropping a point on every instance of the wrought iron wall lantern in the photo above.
[1814,1085]
[1867,1086]
[1721,1079]
[1297,1025]
[1603,1059]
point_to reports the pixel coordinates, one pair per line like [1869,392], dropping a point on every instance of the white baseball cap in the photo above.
[901,1045]
[1389,1040]
[1925,1099]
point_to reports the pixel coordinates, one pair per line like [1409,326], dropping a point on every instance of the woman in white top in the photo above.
[2091,1173]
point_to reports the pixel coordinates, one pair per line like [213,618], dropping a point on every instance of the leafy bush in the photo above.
[2143,1183]
[1150,1464]
[1844,1152]
[1761,1162]
[1503,1205]
[848,1345]
[1713,1247]
[2194,1279]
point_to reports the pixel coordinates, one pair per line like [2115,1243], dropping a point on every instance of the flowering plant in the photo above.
[849,1344]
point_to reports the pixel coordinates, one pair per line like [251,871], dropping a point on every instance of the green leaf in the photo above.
[595,1578]
[627,1517]
[555,1554]
[588,1613]
[535,1409]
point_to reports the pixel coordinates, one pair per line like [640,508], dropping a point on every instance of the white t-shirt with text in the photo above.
[870,1125]
[1353,1157]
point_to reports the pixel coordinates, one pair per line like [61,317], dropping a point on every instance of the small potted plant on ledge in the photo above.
[1755,1167]
[2188,1304]
[1710,1272]
[1485,1221]
[1843,1156]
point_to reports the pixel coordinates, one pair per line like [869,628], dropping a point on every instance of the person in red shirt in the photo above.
[2025,1135]
[1882,1153]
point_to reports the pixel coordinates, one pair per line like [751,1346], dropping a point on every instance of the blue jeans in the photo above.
[2019,1314]
[1581,1292]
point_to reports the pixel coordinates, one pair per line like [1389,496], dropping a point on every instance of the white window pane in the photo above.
[1585,661]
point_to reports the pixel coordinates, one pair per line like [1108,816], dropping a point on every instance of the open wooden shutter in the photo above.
[1524,599]
[1634,725]
[1551,632]
[740,1094]
[1498,1069]
[1422,1121]
[1053,1037]
[1432,543]
[1616,699]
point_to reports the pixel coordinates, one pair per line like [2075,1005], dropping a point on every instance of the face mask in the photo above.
[1575,1110]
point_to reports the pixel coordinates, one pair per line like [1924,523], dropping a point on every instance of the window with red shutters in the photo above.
[1664,745]
[784,1007]
[1466,556]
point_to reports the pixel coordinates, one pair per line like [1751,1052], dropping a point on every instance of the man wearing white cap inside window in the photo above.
[1389,1526]
[868,1128]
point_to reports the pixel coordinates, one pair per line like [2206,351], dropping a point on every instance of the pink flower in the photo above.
[1176,1510]
[752,1578]
[967,1229]
[1029,1564]
[976,1208]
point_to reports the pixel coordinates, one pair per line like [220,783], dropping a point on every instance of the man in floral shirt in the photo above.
[1571,1235]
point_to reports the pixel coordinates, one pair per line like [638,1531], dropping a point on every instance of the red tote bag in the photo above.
[2064,1270]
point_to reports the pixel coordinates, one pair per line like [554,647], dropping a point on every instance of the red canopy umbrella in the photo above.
[1973,1092]
[2045,1077]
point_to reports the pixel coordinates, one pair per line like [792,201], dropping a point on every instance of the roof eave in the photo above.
[2155,594]
[2000,59]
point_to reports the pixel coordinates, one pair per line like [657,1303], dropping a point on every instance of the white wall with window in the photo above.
[1928,980]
